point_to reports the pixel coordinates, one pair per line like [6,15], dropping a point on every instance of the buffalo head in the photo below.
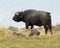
[18,16]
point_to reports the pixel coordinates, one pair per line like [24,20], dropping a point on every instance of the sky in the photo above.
[9,7]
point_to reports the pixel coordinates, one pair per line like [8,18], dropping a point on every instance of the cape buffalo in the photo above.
[33,17]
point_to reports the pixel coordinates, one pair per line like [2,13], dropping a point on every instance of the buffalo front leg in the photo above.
[26,26]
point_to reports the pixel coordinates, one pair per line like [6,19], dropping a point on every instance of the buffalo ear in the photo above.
[48,12]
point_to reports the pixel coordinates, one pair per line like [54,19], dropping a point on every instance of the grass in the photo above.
[8,40]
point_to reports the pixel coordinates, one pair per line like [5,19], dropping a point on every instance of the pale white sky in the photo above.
[9,7]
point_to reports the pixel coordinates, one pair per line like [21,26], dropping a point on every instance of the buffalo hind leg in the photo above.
[32,26]
[50,28]
[46,29]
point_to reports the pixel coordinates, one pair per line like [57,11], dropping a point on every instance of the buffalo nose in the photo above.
[12,18]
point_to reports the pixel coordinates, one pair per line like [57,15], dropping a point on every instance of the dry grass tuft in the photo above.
[13,37]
